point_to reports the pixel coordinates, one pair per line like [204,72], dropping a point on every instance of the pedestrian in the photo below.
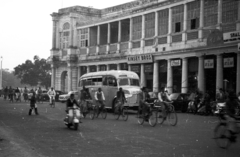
[33,104]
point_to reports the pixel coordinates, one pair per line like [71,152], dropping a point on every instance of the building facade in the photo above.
[178,44]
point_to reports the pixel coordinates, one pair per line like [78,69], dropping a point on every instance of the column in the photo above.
[53,76]
[238,21]
[143,79]
[184,75]
[238,71]
[201,74]
[69,78]
[219,14]
[169,37]
[119,35]
[129,67]
[71,32]
[219,81]
[156,28]
[79,71]
[108,37]
[98,38]
[184,35]
[88,69]
[57,35]
[143,31]
[118,66]
[98,67]
[201,20]
[130,33]
[169,77]
[156,76]
[108,67]
[54,34]
[88,41]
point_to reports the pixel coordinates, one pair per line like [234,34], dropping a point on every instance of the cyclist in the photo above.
[85,95]
[163,100]
[69,104]
[99,97]
[143,97]
[39,94]
[120,98]
[51,93]
[231,105]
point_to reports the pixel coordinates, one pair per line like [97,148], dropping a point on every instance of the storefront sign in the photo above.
[228,62]
[135,68]
[146,58]
[175,63]
[208,63]
[148,68]
[231,37]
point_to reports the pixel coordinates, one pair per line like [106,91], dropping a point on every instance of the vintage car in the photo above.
[63,98]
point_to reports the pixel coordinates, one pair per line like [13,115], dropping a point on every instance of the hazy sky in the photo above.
[26,27]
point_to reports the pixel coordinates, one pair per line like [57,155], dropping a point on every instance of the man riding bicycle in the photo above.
[85,95]
[120,98]
[163,100]
[99,97]
[51,93]
[143,98]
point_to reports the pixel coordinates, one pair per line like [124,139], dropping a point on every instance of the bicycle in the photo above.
[171,115]
[120,110]
[52,101]
[150,117]
[100,110]
[222,134]
[88,108]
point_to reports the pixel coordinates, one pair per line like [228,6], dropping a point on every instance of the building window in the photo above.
[210,12]
[193,15]
[163,16]
[177,18]
[137,28]
[149,25]
[229,11]
[65,36]
[82,37]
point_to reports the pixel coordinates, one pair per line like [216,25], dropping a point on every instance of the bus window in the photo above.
[97,81]
[109,81]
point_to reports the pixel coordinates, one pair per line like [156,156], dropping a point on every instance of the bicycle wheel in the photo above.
[140,117]
[116,113]
[153,118]
[222,135]
[160,118]
[104,113]
[172,116]
[91,113]
[125,114]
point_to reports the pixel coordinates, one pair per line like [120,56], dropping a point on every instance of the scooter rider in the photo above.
[71,101]
[51,93]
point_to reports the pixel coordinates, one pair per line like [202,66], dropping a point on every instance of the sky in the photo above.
[26,27]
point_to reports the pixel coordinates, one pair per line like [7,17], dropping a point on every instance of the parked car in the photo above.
[46,97]
[63,98]
[180,101]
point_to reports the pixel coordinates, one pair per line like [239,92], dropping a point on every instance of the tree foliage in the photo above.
[9,79]
[32,73]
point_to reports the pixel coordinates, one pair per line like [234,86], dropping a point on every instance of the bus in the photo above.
[110,82]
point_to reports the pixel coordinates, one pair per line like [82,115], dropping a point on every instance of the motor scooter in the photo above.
[75,121]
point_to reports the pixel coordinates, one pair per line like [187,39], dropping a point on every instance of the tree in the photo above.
[33,73]
[9,79]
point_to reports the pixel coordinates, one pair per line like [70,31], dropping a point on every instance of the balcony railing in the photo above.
[102,49]
[92,50]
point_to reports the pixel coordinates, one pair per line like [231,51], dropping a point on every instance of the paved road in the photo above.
[45,135]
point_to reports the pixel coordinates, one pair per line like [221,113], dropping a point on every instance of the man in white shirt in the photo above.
[99,97]
[51,93]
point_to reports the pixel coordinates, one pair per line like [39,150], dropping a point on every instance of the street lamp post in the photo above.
[1,78]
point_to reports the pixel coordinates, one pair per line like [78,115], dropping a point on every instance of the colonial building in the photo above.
[178,44]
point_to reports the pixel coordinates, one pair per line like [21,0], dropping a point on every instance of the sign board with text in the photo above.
[144,58]
[228,62]
[230,37]
[208,63]
[175,63]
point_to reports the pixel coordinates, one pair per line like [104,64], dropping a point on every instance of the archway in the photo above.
[64,81]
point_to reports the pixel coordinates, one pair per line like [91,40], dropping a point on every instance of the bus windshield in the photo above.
[128,82]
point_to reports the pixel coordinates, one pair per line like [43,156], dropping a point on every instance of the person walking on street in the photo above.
[33,105]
